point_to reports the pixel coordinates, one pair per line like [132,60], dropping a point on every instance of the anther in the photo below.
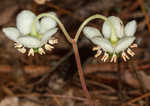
[31,52]
[130,52]
[96,48]
[114,58]
[48,47]
[22,50]
[105,57]
[17,45]
[53,41]
[98,53]
[41,51]
[134,45]
[125,56]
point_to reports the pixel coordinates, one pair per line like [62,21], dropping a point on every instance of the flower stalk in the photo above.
[75,48]
[97,16]
[34,32]
[80,71]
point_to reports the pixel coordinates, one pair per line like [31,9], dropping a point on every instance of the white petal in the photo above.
[103,43]
[48,35]
[47,23]
[24,21]
[12,33]
[118,25]
[29,42]
[130,28]
[124,43]
[91,32]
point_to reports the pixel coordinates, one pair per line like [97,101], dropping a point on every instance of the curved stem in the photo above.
[34,32]
[80,71]
[97,16]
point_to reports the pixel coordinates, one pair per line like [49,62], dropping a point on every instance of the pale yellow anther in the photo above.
[48,47]
[22,50]
[96,48]
[40,1]
[134,45]
[105,57]
[114,58]
[130,52]
[53,41]
[41,51]
[98,53]
[31,52]
[17,45]
[125,56]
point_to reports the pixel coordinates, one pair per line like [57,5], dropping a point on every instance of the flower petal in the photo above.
[130,28]
[91,32]
[47,23]
[24,21]
[124,43]
[118,25]
[103,43]
[12,33]
[48,34]
[29,41]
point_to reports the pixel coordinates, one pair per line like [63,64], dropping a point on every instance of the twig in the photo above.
[57,101]
[140,80]
[137,99]
[51,95]
[145,14]
[67,97]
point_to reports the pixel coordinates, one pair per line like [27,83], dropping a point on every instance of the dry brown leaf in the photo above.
[132,81]
[6,15]
[9,101]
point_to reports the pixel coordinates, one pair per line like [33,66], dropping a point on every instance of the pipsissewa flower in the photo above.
[123,45]
[23,37]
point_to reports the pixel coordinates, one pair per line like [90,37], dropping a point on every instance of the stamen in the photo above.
[105,57]
[53,41]
[96,48]
[48,47]
[31,52]
[130,52]
[17,45]
[22,50]
[134,45]
[41,51]
[114,58]
[125,56]
[98,53]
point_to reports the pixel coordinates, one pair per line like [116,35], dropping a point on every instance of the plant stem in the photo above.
[80,71]
[34,32]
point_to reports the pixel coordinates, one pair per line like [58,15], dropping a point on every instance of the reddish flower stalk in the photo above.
[80,71]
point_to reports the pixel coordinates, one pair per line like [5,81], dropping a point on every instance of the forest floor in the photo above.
[52,79]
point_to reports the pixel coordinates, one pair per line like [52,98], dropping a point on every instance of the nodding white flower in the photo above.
[125,42]
[21,34]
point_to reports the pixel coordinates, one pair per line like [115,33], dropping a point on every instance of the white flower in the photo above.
[21,34]
[125,36]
